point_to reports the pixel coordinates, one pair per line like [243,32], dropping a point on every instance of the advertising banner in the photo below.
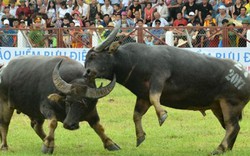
[241,55]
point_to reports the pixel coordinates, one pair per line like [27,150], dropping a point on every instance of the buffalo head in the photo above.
[100,60]
[79,97]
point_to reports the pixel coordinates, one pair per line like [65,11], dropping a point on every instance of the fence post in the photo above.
[248,37]
[169,38]
[140,35]
[225,37]
[21,41]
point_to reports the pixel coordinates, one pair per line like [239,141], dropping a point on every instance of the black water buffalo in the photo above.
[28,86]
[177,78]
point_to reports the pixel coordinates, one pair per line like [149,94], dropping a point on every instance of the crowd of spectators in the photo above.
[37,14]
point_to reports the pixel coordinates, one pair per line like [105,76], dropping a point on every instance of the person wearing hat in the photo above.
[23,9]
[9,35]
[222,15]
[36,35]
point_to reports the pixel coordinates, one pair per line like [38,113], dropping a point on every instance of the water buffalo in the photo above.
[50,88]
[177,78]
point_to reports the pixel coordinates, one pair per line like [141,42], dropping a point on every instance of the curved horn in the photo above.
[59,83]
[109,39]
[96,93]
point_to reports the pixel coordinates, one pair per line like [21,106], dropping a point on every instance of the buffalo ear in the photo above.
[56,98]
[114,46]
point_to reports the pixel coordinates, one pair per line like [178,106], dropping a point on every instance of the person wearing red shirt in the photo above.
[23,8]
[180,20]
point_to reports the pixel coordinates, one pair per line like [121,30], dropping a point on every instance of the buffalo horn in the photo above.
[96,93]
[84,90]
[59,83]
[109,39]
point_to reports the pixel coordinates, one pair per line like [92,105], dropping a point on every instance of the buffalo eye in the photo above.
[92,56]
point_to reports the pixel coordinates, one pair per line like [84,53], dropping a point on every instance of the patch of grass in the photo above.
[183,133]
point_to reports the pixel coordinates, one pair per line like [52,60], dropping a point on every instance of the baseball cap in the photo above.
[6,21]
[191,13]
[222,7]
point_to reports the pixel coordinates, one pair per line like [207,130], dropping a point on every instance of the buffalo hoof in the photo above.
[163,118]
[217,152]
[4,148]
[113,147]
[140,140]
[47,150]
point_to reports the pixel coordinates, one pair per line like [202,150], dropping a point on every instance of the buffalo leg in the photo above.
[95,124]
[231,115]
[49,144]
[37,125]
[141,108]
[156,87]
[5,116]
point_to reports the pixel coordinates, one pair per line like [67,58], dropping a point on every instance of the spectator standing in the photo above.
[9,35]
[162,8]
[133,8]
[236,7]
[163,23]
[13,8]
[203,9]
[180,20]
[188,7]
[23,9]
[51,12]
[148,14]
[93,9]
[222,15]
[107,8]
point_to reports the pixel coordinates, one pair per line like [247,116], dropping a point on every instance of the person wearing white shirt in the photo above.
[107,8]
[163,21]
[13,8]
[162,8]
[83,9]
[62,10]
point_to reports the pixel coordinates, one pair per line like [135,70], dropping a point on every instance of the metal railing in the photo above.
[88,37]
